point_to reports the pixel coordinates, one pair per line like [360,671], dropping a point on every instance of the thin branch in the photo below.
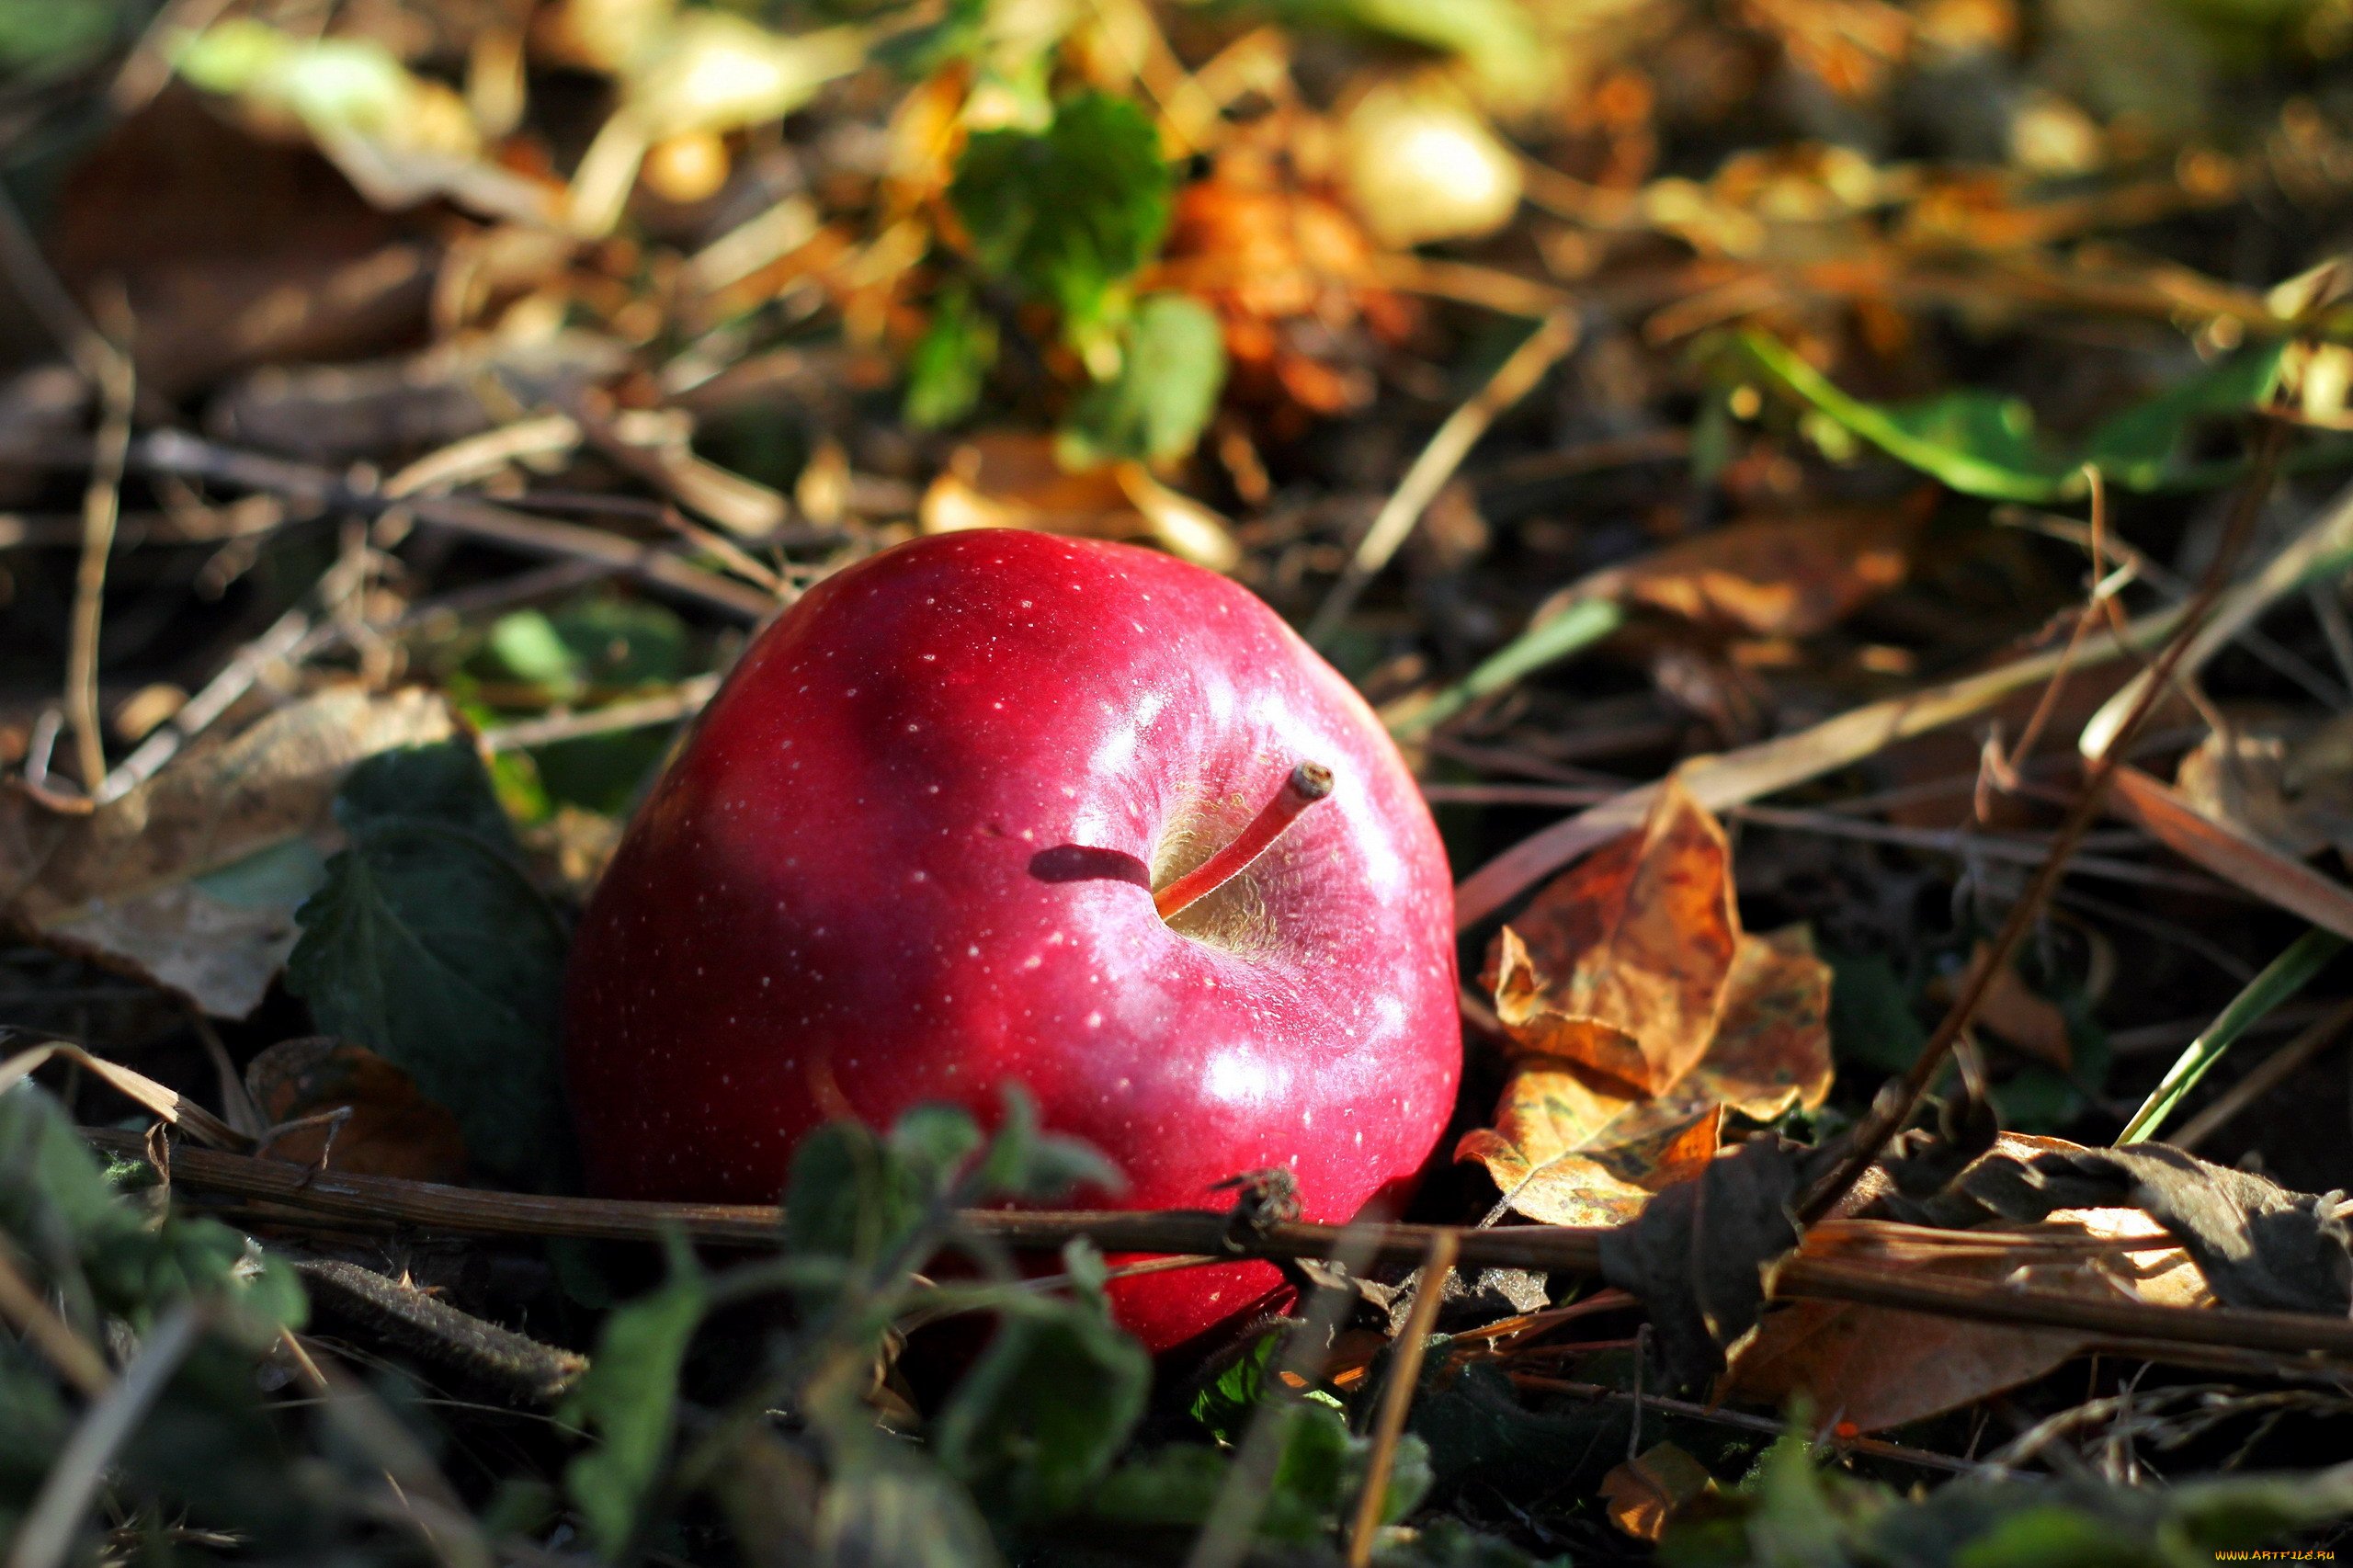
[516,1365]
[682,702]
[178,452]
[101,509]
[1565,1249]
[1397,1397]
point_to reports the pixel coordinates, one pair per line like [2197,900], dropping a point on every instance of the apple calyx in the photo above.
[1308,783]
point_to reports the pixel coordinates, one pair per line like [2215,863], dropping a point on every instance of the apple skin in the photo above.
[907,855]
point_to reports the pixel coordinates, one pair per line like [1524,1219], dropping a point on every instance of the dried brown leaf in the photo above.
[2285,781]
[1877,1368]
[2231,852]
[1012,479]
[1643,1495]
[1773,576]
[1578,1139]
[190,880]
[388,1128]
[1622,962]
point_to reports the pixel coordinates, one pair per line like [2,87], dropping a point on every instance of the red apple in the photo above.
[910,853]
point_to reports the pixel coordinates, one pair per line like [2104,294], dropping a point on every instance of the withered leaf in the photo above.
[1645,1492]
[1577,1141]
[190,881]
[2259,1244]
[1620,964]
[1699,1254]
[2279,779]
[1874,1367]
[387,1127]
[1772,576]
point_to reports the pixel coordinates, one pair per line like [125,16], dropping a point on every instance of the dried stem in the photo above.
[517,1367]
[1565,1249]
[1397,1396]
[111,373]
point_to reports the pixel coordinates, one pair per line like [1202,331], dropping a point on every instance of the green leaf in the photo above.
[1069,212]
[1316,1480]
[442,784]
[629,1399]
[102,1255]
[950,362]
[1025,1163]
[1223,1407]
[2139,448]
[1983,444]
[1048,1407]
[854,1197]
[1172,368]
[1872,1021]
[430,946]
[1975,442]
[617,643]
[1792,1511]
[48,40]
[601,640]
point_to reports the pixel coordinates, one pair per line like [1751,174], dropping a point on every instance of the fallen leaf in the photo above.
[1875,1367]
[1620,965]
[1646,1492]
[1567,1148]
[2230,852]
[236,252]
[429,943]
[2274,777]
[190,881]
[1291,274]
[1013,480]
[389,1128]
[1668,1014]
[1768,576]
[1701,1253]
[2258,1244]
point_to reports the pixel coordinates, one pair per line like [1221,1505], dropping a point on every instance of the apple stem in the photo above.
[1308,783]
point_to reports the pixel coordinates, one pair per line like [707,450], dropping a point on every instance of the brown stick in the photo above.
[1563,1249]
[1397,1399]
[517,1367]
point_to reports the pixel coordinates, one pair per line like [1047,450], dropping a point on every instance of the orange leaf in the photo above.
[1772,1047]
[1772,576]
[1626,956]
[1644,1494]
[1641,1012]
[391,1129]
